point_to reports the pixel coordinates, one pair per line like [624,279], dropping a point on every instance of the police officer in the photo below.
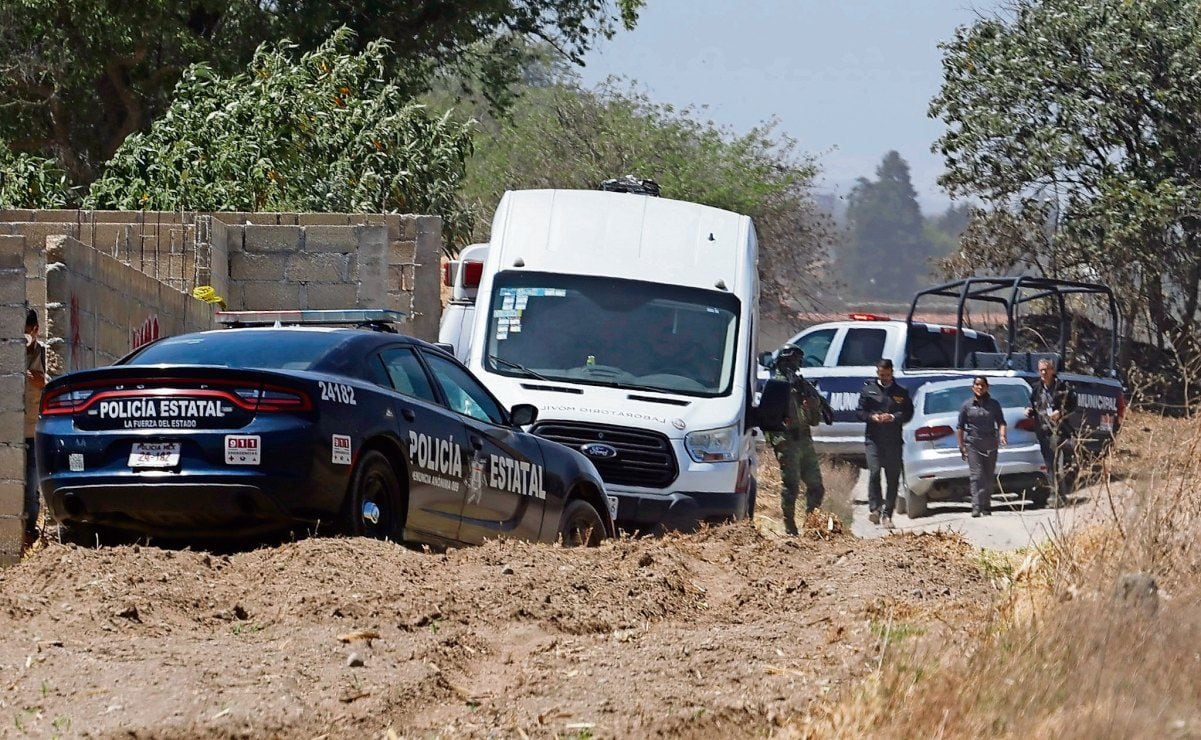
[885,406]
[981,431]
[794,446]
[1052,402]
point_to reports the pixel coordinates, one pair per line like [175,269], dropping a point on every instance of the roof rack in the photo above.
[377,319]
[1011,292]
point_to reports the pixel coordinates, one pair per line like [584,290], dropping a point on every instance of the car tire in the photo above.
[903,502]
[915,504]
[371,504]
[1038,497]
[750,503]
[581,525]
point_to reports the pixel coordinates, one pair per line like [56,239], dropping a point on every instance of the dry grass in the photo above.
[839,479]
[1077,647]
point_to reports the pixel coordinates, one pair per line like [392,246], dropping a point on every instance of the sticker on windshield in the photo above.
[501,313]
[522,300]
[506,302]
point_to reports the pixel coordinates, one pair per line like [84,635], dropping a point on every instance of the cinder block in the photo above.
[397,277]
[324,219]
[12,493]
[16,214]
[12,252]
[402,252]
[12,322]
[12,355]
[429,225]
[272,238]
[343,239]
[12,461]
[52,215]
[317,267]
[12,427]
[12,288]
[250,266]
[336,295]
[408,228]
[11,533]
[264,296]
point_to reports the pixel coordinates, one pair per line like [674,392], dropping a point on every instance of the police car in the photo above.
[278,424]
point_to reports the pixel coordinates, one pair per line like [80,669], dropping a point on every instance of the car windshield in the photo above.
[249,348]
[948,400]
[605,331]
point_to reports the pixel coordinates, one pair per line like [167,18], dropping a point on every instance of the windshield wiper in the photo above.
[629,386]
[518,366]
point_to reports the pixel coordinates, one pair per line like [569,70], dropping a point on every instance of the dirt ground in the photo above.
[735,630]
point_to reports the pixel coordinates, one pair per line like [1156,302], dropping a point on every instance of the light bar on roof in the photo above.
[311,316]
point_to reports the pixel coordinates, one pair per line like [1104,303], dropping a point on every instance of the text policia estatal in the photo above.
[442,457]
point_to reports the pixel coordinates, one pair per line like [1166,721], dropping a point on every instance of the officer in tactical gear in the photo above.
[794,446]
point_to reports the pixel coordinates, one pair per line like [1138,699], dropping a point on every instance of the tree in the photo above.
[324,132]
[79,76]
[29,181]
[1086,113]
[562,136]
[886,252]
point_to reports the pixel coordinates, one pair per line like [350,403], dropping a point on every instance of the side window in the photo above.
[816,346]
[862,347]
[464,394]
[405,374]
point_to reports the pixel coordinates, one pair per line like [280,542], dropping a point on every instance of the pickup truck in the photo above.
[841,355]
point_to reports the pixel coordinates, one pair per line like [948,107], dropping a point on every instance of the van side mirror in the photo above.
[523,414]
[766,359]
[446,347]
[772,410]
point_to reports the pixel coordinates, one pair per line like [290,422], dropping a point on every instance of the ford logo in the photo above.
[599,451]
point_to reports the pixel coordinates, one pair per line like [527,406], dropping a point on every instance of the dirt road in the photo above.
[732,630]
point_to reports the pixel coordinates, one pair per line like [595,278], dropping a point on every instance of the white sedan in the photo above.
[934,469]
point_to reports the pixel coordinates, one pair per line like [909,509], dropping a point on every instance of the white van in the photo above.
[630,322]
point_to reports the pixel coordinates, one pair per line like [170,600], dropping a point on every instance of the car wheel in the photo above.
[915,503]
[903,501]
[581,525]
[750,503]
[374,491]
[1038,496]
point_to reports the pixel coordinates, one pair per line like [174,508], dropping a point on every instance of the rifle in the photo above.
[808,391]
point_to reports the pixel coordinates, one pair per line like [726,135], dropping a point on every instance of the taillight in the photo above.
[274,399]
[65,401]
[448,274]
[929,434]
[1027,424]
[473,272]
[1121,406]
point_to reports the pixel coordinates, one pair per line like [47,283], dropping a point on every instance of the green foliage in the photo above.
[325,133]
[79,76]
[30,181]
[561,136]
[1084,116]
[886,253]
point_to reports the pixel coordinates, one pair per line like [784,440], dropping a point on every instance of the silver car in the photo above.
[934,470]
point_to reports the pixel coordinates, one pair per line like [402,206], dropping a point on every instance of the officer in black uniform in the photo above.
[1052,402]
[885,406]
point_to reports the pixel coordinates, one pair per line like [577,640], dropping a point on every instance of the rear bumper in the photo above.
[682,511]
[198,507]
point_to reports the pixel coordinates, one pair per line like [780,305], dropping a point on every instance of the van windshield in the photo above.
[607,331]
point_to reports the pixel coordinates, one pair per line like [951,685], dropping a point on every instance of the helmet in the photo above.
[790,354]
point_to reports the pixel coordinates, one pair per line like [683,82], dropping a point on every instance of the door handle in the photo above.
[408,414]
[477,443]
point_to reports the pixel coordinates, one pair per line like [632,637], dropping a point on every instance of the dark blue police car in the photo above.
[254,429]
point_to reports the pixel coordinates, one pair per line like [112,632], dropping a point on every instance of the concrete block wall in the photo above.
[333,260]
[328,260]
[12,395]
[97,309]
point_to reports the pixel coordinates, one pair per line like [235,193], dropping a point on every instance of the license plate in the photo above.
[154,455]
[612,500]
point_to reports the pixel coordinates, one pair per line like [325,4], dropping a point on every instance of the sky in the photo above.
[848,79]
